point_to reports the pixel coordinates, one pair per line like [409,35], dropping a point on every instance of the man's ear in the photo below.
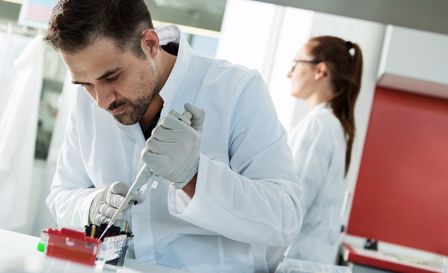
[149,42]
[321,71]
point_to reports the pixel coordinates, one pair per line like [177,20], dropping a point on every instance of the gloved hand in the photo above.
[172,151]
[107,202]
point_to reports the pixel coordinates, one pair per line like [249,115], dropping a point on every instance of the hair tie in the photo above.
[349,45]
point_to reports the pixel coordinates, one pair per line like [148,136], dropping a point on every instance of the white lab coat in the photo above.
[11,46]
[6,60]
[246,208]
[18,126]
[318,144]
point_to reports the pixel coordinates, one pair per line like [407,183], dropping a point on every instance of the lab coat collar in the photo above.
[134,130]
[170,33]
[167,34]
[180,68]
[319,107]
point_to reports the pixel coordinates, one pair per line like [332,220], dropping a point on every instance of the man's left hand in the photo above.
[172,151]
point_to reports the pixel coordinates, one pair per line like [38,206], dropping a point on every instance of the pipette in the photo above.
[144,175]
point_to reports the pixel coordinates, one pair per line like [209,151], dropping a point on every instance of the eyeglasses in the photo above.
[294,63]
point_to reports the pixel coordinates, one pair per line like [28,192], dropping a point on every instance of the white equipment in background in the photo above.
[18,127]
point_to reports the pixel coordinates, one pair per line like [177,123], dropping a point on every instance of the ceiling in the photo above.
[194,13]
[428,15]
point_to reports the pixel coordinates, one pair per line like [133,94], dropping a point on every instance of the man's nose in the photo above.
[104,96]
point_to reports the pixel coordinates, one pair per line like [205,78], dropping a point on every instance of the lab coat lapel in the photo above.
[173,83]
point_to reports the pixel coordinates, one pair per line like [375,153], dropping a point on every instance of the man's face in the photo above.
[119,81]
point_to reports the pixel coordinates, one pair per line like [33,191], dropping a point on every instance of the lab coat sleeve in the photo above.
[71,192]
[312,159]
[256,198]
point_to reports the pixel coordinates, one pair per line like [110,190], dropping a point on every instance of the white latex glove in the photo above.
[107,202]
[172,151]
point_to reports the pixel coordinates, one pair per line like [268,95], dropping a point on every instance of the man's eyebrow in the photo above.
[105,75]
[108,73]
[78,82]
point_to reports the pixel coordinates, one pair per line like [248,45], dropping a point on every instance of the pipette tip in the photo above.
[105,230]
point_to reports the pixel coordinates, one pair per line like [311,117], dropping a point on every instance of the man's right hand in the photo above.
[106,203]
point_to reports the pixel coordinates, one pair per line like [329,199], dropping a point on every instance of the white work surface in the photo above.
[18,253]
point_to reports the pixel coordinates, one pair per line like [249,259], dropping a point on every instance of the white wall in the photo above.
[294,31]
[415,61]
[267,40]
[246,33]
[416,54]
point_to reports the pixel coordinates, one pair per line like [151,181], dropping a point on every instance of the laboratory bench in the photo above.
[18,253]
[373,261]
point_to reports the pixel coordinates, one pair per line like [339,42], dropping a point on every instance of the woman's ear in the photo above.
[149,42]
[321,71]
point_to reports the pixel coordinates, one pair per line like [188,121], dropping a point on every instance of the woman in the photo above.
[326,74]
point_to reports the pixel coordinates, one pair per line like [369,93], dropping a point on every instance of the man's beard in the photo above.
[135,111]
[140,105]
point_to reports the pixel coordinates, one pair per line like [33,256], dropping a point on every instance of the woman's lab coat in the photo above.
[246,209]
[318,144]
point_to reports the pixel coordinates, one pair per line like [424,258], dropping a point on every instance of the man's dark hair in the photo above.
[75,24]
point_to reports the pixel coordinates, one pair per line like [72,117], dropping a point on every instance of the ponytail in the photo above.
[344,60]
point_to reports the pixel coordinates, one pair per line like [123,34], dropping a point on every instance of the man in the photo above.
[226,198]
